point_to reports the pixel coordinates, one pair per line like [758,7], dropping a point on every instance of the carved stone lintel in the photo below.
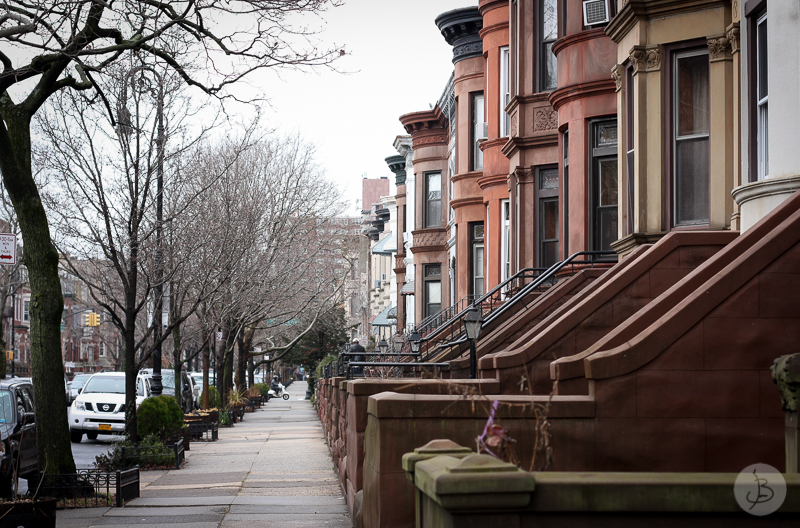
[786,374]
[645,58]
[427,140]
[733,36]
[545,119]
[616,74]
[719,48]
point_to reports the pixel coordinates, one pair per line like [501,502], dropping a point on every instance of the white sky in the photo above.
[400,64]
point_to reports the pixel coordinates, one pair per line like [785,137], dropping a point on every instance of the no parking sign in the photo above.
[8,248]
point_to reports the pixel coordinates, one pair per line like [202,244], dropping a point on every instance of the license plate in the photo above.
[104,427]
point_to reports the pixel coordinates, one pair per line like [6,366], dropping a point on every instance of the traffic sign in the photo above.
[8,248]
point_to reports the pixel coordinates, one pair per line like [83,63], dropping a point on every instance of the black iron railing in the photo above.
[90,488]
[492,311]
[144,456]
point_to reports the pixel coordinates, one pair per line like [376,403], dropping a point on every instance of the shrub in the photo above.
[160,416]
[263,387]
[213,397]
[151,452]
[324,363]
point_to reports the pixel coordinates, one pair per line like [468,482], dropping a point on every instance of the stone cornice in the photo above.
[397,164]
[503,26]
[465,175]
[540,141]
[490,143]
[484,6]
[636,10]
[490,181]
[576,38]
[460,28]
[567,94]
[418,121]
[463,202]
[429,239]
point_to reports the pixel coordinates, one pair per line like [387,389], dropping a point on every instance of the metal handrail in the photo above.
[493,297]
[526,290]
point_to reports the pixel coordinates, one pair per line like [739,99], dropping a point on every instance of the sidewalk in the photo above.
[272,469]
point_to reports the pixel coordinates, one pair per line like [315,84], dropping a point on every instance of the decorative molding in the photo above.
[573,92]
[524,175]
[733,36]
[545,119]
[616,74]
[427,140]
[514,126]
[429,238]
[719,48]
[645,58]
[576,38]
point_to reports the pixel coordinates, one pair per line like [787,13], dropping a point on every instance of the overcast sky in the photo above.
[400,64]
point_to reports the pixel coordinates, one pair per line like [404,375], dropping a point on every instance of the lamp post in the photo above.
[158,290]
[383,346]
[472,325]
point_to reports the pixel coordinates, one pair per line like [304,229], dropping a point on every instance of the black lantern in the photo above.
[473,322]
[472,326]
[414,339]
[383,346]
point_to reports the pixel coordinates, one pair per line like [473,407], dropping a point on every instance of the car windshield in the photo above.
[6,407]
[80,379]
[109,385]
[168,381]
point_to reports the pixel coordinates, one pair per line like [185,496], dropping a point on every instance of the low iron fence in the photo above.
[90,488]
[208,432]
[173,454]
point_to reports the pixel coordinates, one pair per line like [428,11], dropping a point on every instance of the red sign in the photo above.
[8,248]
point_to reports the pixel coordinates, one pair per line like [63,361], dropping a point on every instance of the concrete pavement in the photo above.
[272,469]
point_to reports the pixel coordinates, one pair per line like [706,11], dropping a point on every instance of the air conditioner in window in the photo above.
[377,284]
[595,12]
[481,132]
[383,276]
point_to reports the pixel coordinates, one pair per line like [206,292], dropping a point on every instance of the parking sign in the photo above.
[8,248]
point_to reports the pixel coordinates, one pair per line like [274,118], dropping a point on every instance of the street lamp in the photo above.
[383,346]
[415,341]
[472,326]
[123,116]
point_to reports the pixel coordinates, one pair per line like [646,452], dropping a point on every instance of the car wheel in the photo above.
[91,436]
[75,436]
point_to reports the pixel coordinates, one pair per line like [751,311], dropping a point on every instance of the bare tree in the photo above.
[47,47]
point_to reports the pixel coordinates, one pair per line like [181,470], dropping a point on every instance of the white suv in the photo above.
[100,406]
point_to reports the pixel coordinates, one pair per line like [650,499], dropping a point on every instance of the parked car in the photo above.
[168,386]
[100,405]
[75,386]
[198,386]
[19,455]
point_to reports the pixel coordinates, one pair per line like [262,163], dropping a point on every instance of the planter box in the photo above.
[37,514]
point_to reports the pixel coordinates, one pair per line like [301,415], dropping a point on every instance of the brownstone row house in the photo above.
[610,184]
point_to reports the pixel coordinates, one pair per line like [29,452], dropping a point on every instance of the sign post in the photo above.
[8,248]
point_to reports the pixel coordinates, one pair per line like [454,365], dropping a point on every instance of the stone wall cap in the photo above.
[481,464]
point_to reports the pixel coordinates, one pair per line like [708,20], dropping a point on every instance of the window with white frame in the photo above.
[505,265]
[504,90]
[477,232]
[762,93]
[102,350]
[26,311]
[690,138]
[478,120]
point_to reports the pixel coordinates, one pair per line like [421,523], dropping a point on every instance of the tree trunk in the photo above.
[241,380]
[131,424]
[251,372]
[176,361]
[47,302]
[206,358]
